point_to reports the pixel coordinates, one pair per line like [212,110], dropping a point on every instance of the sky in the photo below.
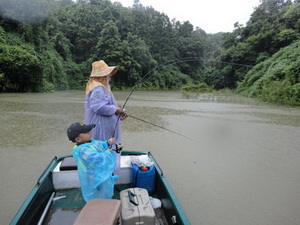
[210,15]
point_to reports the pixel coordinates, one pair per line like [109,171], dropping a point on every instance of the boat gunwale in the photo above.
[33,193]
[171,194]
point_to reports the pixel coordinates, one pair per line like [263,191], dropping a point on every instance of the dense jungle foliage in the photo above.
[49,45]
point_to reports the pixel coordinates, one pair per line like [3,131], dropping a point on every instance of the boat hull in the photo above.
[39,207]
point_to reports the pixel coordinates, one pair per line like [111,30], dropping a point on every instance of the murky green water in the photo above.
[242,167]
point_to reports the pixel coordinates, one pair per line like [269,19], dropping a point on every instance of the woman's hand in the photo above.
[121,113]
[118,111]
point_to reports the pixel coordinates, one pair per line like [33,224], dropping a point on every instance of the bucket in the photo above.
[143,179]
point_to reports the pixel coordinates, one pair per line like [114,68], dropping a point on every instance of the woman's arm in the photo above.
[100,102]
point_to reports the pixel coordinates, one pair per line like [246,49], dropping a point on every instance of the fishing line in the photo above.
[162,66]
[231,63]
[145,121]
[172,62]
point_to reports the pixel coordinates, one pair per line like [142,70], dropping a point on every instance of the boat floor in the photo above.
[66,209]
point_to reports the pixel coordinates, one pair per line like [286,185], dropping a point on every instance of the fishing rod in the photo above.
[172,62]
[157,68]
[153,124]
[160,66]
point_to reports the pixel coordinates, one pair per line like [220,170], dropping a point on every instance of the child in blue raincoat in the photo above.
[95,162]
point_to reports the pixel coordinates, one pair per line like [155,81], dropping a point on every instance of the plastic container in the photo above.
[143,179]
[136,207]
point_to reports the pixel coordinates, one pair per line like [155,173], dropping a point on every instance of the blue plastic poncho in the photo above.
[100,107]
[95,167]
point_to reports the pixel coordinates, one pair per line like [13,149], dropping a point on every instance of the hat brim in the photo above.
[111,70]
[87,128]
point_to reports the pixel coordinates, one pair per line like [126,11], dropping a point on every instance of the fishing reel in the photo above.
[119,148]
[123,115]
[123,111]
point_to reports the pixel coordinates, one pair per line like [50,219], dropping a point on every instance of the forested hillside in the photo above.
[48,45]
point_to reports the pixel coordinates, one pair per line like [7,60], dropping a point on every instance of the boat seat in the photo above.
[100,212]
[69,163]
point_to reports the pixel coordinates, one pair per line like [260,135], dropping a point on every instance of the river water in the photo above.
[242,166]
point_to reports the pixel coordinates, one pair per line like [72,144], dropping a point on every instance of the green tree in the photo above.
[20,70]
[109,46]
[139,60]
[281,71]
[291,18]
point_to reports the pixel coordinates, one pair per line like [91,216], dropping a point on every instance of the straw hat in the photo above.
[101,69]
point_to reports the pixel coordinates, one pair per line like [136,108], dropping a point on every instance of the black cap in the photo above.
[78,128]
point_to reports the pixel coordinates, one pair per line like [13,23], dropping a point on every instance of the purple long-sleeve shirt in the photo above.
[100,108]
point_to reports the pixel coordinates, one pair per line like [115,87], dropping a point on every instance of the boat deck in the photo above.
[66,209]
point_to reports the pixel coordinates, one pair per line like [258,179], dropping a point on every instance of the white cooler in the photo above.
[124,170]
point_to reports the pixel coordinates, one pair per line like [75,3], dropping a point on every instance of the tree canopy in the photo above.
[51,45]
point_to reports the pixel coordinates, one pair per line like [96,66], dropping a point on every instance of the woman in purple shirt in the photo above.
[100,105]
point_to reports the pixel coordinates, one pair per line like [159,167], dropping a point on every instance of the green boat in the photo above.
[56,198]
